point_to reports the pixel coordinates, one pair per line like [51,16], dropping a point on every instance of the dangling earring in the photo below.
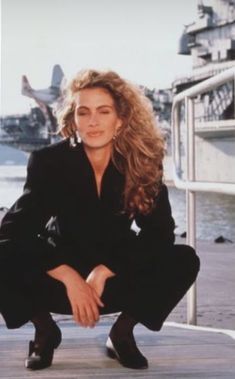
[75,139]
[77,136]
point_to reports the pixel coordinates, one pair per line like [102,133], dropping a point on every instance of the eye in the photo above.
[105,112]
[82,113]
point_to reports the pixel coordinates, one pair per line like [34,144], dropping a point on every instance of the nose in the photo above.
[93,120]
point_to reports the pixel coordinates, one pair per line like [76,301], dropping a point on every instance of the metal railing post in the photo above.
[234,94]
[191,205]
[176,140]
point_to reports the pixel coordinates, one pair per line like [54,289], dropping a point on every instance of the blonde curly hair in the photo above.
[138,148]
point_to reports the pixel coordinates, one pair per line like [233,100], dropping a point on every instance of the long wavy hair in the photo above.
[138,148]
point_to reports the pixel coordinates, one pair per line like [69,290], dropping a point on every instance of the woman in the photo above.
[68,245]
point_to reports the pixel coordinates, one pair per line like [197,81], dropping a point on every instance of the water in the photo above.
[11,184]
[215,212]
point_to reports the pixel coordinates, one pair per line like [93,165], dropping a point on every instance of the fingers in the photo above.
[97,299]
[86,314]
[81,318]
[85,305]
[76,314]
[95,312]
[86,318]
[92,315]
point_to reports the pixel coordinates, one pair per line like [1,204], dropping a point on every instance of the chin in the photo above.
[98,144]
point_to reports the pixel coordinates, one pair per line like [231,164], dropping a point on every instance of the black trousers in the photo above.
[148,292]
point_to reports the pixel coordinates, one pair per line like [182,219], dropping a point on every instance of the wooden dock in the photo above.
[173,352]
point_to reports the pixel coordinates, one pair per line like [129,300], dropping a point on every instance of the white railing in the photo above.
[190,184]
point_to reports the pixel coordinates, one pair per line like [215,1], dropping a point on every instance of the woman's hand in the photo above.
[84,301]
[97,278]
[83,298]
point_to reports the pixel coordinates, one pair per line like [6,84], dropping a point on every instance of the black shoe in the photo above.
[126,352]
[41,353]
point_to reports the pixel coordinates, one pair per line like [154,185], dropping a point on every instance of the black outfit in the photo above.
[60,219]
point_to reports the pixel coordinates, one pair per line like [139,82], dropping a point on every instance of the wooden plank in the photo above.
[172,353]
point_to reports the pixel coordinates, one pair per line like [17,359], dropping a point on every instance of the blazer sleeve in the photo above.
[157,228]
[20,240]
[155,237]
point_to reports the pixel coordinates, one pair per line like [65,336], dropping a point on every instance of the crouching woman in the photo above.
[67,245]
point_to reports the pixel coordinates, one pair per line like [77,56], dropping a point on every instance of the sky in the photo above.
[137,38]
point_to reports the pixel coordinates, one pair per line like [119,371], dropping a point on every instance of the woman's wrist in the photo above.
[104,271]
[63,273]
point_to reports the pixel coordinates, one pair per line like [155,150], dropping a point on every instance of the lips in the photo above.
[94,134]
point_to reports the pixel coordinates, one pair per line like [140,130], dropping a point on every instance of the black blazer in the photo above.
[61,219]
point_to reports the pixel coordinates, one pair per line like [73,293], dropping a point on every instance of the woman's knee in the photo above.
[188,258]
[193,257]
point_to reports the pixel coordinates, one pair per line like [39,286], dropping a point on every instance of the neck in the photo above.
[99,158]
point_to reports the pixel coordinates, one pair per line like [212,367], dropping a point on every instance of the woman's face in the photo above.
[95,117]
